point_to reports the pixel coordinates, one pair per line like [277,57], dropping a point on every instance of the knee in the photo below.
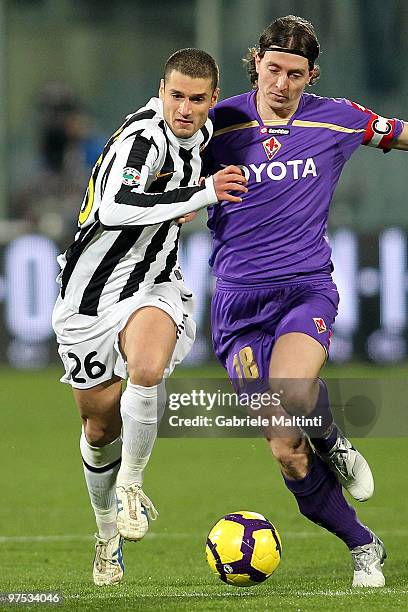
[297,396]
[98,433]
[146,374]
[293,455]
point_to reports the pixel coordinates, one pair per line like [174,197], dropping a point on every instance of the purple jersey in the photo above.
[278,231]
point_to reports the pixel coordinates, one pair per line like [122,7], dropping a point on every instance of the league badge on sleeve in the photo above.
[271,146]
[131,177]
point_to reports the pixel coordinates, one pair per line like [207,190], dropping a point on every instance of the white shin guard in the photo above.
[101,465]
[141,409]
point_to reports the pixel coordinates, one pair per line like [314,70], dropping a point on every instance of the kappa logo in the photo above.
[320,325]
[271,146]
[131,177]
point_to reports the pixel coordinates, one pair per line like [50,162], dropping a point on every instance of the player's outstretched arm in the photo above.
[131,207]
[401,142]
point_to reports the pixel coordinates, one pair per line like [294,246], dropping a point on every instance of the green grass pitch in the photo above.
[46,523]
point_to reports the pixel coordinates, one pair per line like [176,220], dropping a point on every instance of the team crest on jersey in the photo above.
[320,325]
[131,177]
[271,146]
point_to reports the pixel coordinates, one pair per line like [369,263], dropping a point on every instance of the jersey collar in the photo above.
[252,104]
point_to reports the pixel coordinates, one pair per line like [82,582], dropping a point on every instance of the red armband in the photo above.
[379,132]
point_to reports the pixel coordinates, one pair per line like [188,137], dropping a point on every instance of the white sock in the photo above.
[101,465]
[141,409]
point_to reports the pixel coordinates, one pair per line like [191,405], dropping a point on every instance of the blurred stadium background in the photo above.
[71,70]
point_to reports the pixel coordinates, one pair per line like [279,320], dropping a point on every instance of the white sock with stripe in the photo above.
[101,465]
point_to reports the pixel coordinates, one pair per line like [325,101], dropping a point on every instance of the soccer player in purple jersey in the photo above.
[275,302]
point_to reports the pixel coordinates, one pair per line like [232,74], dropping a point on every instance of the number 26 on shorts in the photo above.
[92,368]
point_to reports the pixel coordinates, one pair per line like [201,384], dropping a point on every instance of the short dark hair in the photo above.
[288,32]
[194,63]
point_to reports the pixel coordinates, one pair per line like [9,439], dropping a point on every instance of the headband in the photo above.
[291,51]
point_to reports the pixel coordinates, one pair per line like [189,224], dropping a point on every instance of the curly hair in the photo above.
[288,32]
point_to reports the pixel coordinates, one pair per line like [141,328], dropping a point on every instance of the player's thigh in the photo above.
[93,366]
[147,342]
[302,345]
[248,366]
[296,355]
[302,336]
[247,361]
[295,364]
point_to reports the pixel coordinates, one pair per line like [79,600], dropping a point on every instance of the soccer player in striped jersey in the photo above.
[123,310]
[275,301]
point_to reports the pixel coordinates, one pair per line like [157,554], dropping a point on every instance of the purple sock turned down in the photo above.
[320,499]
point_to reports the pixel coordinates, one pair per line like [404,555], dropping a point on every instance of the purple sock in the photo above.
[323,436]
[320,499]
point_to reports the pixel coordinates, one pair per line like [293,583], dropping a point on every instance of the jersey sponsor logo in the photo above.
[131,177]
[271,146]
[320,325]
[272,130]
[277,171]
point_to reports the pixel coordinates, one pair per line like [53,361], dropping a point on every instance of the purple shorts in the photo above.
[247,322]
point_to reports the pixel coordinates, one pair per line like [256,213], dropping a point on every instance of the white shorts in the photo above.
[89,345]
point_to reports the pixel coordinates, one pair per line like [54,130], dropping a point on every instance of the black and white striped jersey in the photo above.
[128,240]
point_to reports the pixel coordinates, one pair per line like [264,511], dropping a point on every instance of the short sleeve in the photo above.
[360,126]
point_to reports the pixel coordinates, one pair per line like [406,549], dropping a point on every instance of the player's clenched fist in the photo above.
[227,180]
